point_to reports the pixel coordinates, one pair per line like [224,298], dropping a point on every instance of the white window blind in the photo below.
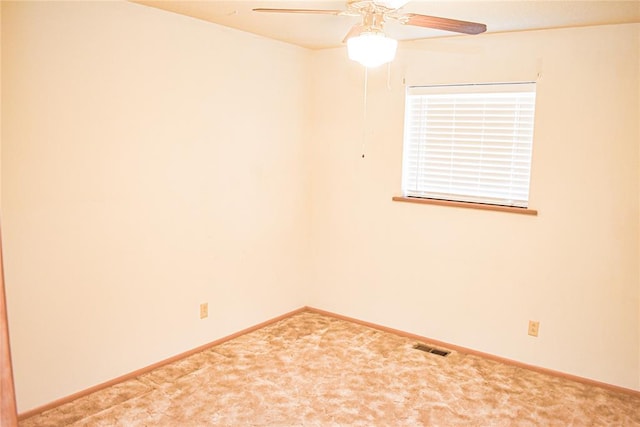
[469,143]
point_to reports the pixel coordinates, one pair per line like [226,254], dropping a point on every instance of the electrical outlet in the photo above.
[204,310]
[534,326]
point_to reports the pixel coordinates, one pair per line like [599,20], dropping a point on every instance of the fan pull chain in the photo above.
[364,111]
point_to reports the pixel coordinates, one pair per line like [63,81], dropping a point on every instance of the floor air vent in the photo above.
[426,348]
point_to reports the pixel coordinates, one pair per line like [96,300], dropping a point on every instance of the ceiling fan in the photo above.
[367,42]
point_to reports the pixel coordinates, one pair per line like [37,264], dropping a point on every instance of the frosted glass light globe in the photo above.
[372,49]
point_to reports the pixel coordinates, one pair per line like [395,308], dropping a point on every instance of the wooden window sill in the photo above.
[522,211]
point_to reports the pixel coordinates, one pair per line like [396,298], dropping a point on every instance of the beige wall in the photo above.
[638,136]
[151,162]
[0,106]
[474,278]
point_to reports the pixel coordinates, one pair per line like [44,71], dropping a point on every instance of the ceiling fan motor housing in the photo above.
[373,22]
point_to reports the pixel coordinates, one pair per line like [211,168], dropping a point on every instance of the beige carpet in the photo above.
[313,370]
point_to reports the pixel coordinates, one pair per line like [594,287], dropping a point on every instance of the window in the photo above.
[469,143]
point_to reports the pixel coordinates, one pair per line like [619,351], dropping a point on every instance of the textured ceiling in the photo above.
[324,31]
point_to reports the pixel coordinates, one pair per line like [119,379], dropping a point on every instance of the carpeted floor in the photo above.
[313,370]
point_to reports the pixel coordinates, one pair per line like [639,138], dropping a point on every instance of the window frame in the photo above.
[520,119]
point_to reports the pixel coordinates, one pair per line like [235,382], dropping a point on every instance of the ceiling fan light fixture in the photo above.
[371,49]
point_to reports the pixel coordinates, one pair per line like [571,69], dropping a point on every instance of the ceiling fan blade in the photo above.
[312,11]
[446,24]
[354,31]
